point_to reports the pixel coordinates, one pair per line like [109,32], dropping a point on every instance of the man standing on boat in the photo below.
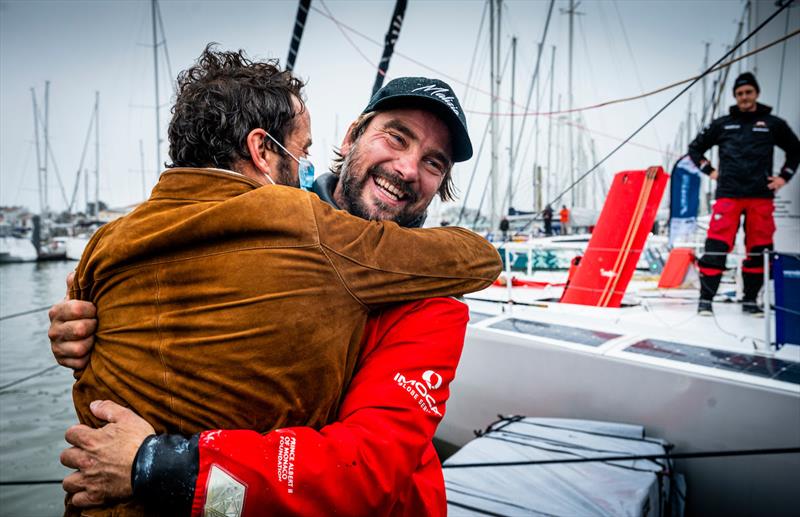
[379,417]
[547,215]
[563,215]
[745,186]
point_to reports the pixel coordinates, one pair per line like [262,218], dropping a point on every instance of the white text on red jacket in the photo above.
[421,390]
[286,452]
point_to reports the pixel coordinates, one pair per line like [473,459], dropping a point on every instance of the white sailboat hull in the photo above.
[75,247]
[697,408]
[15,249]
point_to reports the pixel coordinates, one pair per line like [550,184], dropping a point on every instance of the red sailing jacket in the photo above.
[378,458]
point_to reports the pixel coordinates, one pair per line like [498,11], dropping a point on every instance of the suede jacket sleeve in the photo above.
[380,262]
[702,143]
[366,463]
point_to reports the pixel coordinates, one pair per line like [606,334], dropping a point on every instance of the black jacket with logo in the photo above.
[746,141]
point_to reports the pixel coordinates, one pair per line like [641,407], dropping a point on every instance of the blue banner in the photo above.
[684,200]
[787,299]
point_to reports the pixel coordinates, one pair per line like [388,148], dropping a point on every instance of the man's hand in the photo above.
[104,457]
[775,183]
[72,327]
[714,174]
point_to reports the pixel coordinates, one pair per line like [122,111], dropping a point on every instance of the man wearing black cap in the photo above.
[378,458]
[412,115]
[745,186]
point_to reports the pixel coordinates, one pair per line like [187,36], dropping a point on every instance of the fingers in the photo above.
[72,483]
[71,333]
[69,310]
[80,436]
[110,411]
[78,459]
[77,365]
[83,494]
[75,330]
[775,183]
[70,281]
[76,352]
[86,500]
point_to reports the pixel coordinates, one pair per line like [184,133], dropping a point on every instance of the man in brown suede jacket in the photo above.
[208,294]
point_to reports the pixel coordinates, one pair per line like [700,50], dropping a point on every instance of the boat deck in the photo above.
[656,326]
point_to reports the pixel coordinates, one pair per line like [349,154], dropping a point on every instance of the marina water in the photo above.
[34,414]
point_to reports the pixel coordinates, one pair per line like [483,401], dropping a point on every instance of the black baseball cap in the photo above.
[432,95]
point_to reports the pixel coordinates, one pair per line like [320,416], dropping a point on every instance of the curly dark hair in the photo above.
[447,190]
[223,97]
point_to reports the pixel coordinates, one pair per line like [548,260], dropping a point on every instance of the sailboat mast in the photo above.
[559,151]
[537,177]
[688,122]
[494,37]
[550,123]
[38,152]
[510,194]
[153,8]
[96,153]
[141,166]
[46,144]
[571,13]
[705,89]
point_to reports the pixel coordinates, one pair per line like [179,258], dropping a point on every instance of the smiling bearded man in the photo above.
[399,153]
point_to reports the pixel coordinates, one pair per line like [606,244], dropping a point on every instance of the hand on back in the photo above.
[72,327]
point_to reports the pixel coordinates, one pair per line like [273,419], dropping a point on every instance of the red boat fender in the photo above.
[618,239]
[517,282]
[678,263]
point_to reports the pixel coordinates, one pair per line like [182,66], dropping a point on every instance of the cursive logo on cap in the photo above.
[440,93]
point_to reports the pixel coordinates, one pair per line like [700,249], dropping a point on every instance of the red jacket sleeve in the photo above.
[378,458]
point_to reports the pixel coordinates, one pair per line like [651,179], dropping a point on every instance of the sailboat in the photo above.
[707,385]
[14,246]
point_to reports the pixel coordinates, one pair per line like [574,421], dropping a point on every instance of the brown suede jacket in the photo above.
[224,304]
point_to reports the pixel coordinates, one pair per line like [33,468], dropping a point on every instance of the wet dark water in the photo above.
[35,413]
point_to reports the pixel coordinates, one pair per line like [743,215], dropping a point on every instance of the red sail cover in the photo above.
[618,239]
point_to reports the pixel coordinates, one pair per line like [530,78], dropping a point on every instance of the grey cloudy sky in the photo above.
[84,46]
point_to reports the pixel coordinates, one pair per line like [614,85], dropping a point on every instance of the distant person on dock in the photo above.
[504,226]
[547,216]
[745,186]
[563,215]
[394,159]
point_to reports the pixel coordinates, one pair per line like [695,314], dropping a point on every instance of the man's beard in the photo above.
[353,189]
[284,173]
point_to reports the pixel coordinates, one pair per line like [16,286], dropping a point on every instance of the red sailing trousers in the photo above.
[759,228]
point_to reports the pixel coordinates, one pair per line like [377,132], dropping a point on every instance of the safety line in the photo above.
[663,108]
[8,317]
[641,95]
[31,482]
[671,456]
[31,376]
[341,26]
[716,67]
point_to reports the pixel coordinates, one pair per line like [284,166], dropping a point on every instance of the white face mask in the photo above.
[305,170]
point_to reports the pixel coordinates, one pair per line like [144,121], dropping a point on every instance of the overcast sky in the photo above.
[621,48]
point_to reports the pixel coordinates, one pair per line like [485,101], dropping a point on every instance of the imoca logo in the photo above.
[421,390]
[432,379]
